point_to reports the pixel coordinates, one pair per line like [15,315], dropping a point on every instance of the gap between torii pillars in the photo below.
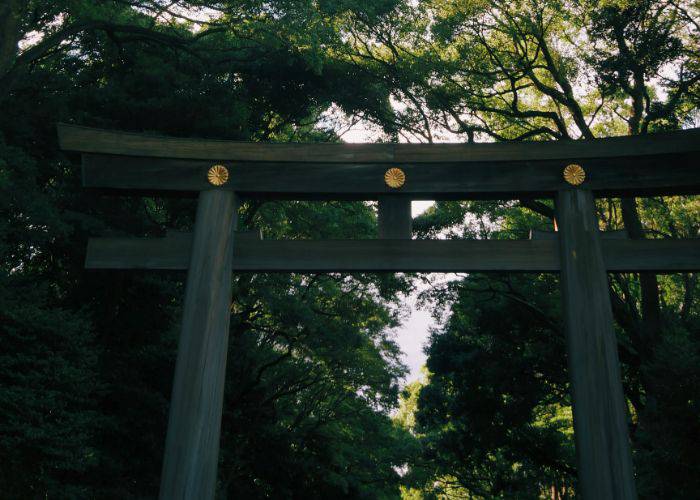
[602,444]
[600,430]
[192,445]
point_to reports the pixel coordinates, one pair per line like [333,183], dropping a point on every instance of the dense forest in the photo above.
[315,405]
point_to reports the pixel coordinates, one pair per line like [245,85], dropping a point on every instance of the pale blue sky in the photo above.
[413,333]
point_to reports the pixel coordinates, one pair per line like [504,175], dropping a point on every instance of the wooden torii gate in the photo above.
[571,172]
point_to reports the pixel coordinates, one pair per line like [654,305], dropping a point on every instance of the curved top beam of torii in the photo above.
[664,163]
[92,140]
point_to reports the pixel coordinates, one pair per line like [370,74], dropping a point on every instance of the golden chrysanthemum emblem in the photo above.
[217,175]
[394,178]
[574,174]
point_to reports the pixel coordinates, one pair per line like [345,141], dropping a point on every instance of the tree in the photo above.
[87,358]
[548,70]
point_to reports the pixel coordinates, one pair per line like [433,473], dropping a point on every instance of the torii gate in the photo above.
[572,172]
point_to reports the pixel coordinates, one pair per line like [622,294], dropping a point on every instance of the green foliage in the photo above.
[533,70]
[86,358]
[494,417]
[48,387]
[490,414]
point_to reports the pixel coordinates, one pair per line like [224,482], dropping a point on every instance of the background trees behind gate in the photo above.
[86,359]
[494,416]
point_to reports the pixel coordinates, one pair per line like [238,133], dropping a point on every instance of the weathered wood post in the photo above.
[192,443]
[394,217]
[602,442]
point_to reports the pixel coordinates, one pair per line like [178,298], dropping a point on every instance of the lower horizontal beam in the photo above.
[252,254]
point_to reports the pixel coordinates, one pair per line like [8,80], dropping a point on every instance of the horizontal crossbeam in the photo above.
[251,254]
[627,176]
[622,166]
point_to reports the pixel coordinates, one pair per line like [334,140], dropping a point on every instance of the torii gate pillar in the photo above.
[192,444]
[600,429]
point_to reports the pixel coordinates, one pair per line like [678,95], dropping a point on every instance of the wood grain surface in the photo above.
[91,140]
[251,254]
[623,176]
[192,445]
[600,418]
